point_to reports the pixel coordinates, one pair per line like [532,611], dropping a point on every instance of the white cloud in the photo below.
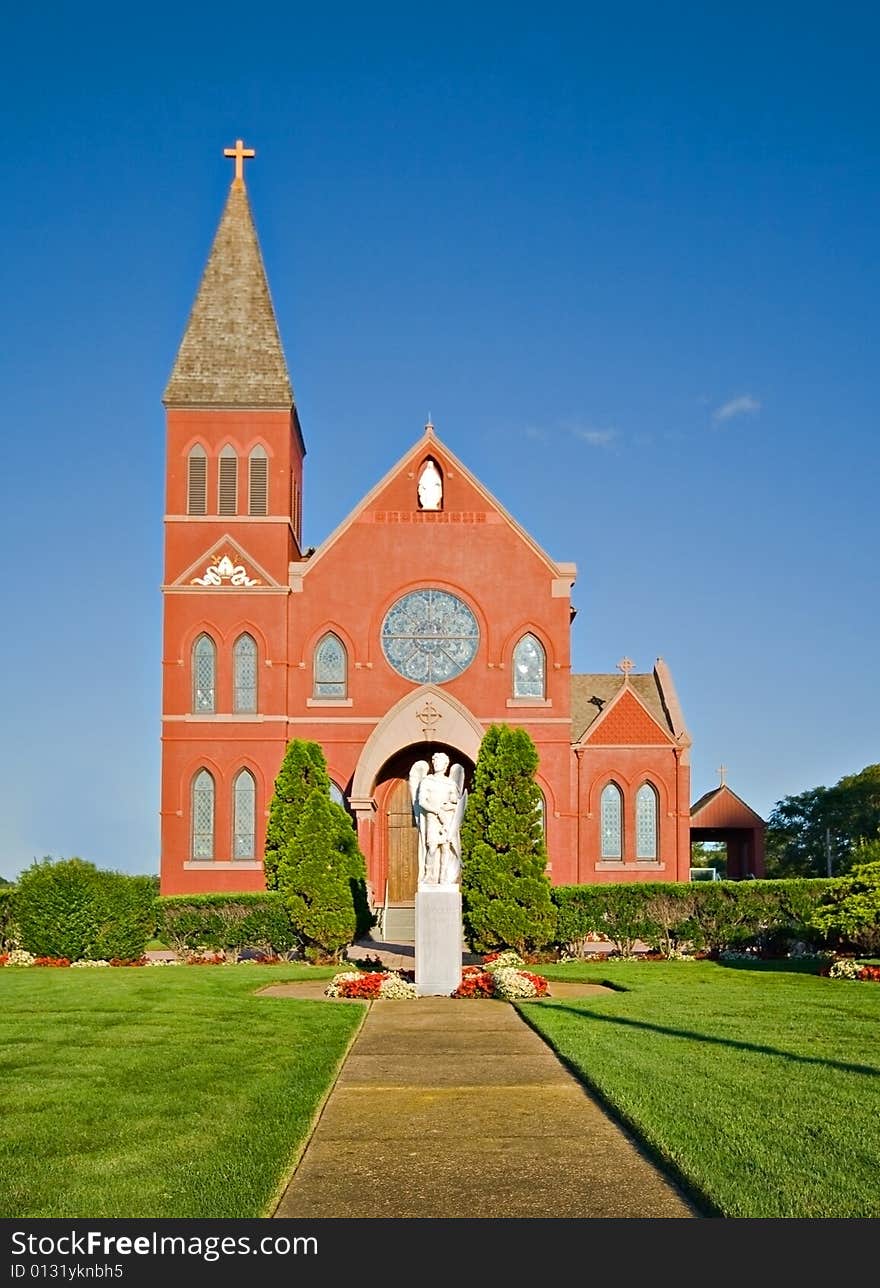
[596,437]
[744,405]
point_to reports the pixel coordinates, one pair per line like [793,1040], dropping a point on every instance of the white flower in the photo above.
[86,965]
[19,957]
[511,984]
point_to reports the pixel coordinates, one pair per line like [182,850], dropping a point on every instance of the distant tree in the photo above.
[709,854]
[504,884]
[3,881]
[802,827]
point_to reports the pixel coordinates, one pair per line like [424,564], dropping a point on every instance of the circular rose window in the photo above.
[430,636]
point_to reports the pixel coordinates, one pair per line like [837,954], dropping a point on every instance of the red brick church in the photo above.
[427,615]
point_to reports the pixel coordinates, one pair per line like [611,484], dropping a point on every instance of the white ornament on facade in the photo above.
[224,570]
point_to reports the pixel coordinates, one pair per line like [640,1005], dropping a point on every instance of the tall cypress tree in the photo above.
[504,884]
[303,770]
[315,881]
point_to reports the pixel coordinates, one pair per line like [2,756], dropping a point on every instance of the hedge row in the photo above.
[704,915]
[227,923]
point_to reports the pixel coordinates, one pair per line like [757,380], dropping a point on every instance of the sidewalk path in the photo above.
[449,1108]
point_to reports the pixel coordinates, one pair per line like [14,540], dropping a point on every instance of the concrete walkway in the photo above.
[448,1108]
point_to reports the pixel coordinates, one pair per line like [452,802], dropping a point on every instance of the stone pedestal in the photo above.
[438,940]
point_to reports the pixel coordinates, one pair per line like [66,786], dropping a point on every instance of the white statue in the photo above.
[438,805]
[430,487]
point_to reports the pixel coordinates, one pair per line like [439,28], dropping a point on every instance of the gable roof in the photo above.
[429,440]
[591,694]
[231,354]
[722,807]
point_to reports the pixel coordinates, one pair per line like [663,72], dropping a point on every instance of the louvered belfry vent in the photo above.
[258,484]
[228,488]
[197,482]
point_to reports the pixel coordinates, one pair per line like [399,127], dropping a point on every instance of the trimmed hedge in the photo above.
[706,915]
[227,923]
[70,908]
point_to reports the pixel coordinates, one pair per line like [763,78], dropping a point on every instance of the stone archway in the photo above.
[425,721]
[428,716]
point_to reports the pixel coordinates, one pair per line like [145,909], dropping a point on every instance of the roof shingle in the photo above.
[231,354]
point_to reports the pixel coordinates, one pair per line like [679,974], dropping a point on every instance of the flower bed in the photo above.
[368,985]
[501,976]
[849,968]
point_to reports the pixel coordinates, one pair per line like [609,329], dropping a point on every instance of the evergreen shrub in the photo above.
[321,878]
[70,908]
[506,899]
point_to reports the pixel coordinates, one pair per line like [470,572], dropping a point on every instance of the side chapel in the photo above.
[428,614]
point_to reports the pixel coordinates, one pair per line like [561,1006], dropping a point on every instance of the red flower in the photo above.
[51,961]
[4,958]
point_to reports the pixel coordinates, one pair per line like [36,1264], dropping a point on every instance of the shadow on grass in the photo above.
[757,1048]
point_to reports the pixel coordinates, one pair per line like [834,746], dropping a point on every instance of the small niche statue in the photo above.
[439,802]
[430,487]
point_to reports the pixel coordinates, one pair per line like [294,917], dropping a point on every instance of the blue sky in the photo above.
[625,256]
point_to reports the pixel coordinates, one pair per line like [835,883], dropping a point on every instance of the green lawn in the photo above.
[759,1086]
[158,1092]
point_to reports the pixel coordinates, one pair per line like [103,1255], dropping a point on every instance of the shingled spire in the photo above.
[231,354]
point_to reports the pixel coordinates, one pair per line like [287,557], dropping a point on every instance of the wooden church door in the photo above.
[402,844]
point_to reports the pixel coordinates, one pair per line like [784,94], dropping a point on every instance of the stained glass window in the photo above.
[612,822]
[203,816]
[337,795]
[646,822]
[244,798]
[430,636]
[244,665]
[331,668]
[528,668]
[204,665]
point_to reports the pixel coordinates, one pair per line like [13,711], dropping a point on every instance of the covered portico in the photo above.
[723,816]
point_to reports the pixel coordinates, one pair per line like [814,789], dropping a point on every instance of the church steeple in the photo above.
[231,354]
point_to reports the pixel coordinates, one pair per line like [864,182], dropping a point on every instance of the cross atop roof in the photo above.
[625,664]
[240,153]
[722,770]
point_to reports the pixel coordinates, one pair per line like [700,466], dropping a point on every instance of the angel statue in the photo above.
[438,805]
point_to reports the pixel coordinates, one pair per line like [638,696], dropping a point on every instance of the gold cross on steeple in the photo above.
[722,770]
[240,152]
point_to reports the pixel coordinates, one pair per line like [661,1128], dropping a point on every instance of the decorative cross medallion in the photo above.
[239,152]
[429,715]
[625,664]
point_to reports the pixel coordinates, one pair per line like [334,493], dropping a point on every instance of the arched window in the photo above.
[529,667]
[541,811]
[197,481]
[258,482]
[612,822]
[227,484]
[244,674]
[646,822]
[203,816]
[244,801]
[204,669]
[331,668]
[337,795]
